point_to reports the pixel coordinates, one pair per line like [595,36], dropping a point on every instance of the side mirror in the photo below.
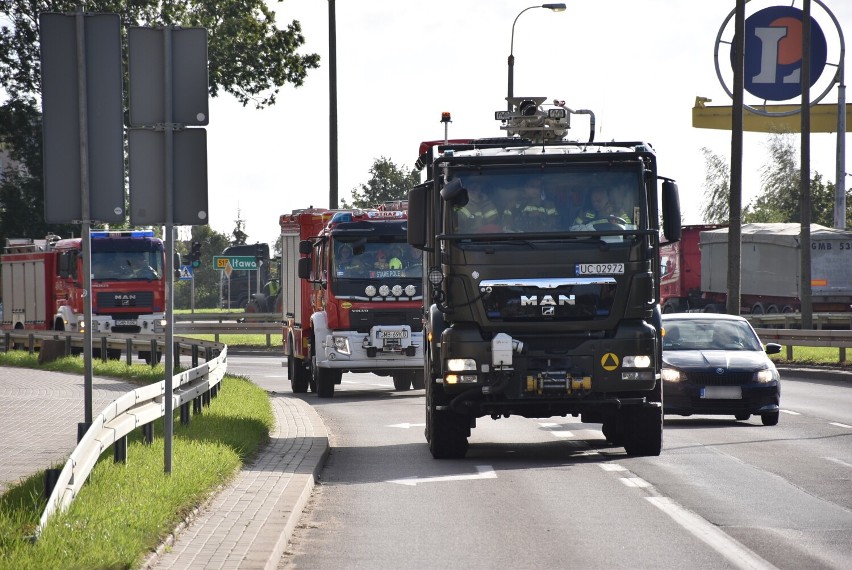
[304,268]
[454,192]
[671,211]
[417,218]
[773,348]
[305,247]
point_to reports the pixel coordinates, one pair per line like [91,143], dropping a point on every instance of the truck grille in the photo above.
[362,320]
[118,300]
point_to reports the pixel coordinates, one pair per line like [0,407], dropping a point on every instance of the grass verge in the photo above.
[124,511]
[813,356]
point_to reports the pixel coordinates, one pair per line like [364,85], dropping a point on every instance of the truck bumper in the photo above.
[350,350]
[145,324]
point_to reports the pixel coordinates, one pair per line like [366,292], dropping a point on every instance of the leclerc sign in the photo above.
[773,53]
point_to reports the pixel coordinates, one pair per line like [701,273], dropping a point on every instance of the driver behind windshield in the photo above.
[603,210]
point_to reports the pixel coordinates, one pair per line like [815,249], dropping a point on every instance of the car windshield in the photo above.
[553,200]
[363,259]
[127,265]
[709,334]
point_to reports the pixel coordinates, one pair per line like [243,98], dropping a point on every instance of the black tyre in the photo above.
[446,431]
[770,418]
[402,381]
[325,382]
[298,374]
[613,431]
[644,433]
[324,379]
[742,416]
[418,382]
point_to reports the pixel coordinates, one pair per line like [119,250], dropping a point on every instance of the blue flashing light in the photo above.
[106,234]
[341,217]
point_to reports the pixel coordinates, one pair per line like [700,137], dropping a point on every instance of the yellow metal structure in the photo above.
[823,118]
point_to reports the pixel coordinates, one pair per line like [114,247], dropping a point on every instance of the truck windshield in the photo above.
[127,265]
[362,259]
[566,199]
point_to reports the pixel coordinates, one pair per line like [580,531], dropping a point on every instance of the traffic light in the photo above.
[195,254]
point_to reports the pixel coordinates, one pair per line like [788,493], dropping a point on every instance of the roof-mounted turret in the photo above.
[530,119]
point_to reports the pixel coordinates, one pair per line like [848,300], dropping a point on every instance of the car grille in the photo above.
[724,379]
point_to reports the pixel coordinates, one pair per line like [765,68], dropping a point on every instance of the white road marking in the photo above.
[635,482]
[840,425]
[563,433]
[483,472]
[839,462]
[791,412]
[737,554]
[407,426]
[549,425]
[612,467]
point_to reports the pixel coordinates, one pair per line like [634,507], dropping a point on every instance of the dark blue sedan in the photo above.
[715,364]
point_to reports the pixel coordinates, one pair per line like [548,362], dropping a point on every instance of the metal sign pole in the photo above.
[168,418]
[83,117]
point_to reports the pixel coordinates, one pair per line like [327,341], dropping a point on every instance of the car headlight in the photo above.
[341,344]
[671,375]
[764,376]
[461,364]
[639,361]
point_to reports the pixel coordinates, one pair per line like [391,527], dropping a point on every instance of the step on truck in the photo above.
[541,279]
[351,294]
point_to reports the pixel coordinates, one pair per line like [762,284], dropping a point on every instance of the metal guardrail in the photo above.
[821,321]
[135,409]
[268,324]
[791,338]
[128,343]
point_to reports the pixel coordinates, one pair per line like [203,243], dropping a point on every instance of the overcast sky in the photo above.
[638,64]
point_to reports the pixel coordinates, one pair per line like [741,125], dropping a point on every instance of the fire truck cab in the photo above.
[353,302]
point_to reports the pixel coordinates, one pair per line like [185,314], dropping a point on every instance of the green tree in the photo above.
[249,56]
[717,188]
[387,183]
[779,197]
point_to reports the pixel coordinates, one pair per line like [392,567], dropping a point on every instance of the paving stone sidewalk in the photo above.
[248,524]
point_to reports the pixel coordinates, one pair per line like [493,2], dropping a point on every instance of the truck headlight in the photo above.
[670,375]
[639,361]
[341,344]
[461,364]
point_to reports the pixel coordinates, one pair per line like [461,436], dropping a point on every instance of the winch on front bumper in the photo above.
[389,338]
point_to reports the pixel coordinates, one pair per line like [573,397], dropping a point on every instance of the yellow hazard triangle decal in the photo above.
[609,361]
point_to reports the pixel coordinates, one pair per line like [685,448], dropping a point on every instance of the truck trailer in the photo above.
[351,294]
[536,304]
[695,269]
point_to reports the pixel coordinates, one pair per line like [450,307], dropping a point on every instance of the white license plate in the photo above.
[125,323]
[722,393]
[600,269]
[393,334]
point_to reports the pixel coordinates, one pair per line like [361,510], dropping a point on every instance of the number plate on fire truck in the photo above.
[125,323]
[600,269]
[393,334]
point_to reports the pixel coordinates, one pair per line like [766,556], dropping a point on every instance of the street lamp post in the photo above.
[553,7]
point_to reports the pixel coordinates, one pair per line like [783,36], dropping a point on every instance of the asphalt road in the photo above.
[552,493]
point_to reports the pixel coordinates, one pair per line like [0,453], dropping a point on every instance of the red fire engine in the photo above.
[43,283]
[352,297]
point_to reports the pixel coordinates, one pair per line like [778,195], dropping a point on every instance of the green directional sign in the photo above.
[237,262]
